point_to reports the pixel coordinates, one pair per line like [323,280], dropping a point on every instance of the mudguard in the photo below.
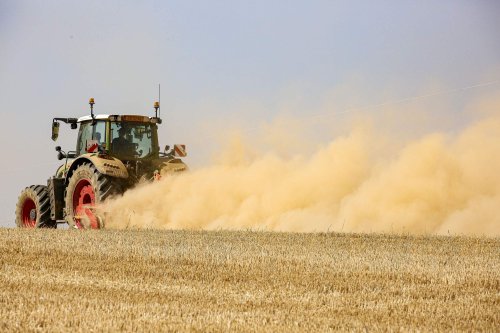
[63,169]
[105,164]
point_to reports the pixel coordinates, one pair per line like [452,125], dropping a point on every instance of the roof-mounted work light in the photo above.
[157,106]
[91,102]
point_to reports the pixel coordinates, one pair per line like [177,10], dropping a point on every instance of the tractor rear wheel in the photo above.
[33,208]
[86,189]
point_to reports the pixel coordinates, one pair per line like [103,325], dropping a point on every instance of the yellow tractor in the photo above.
[113,154]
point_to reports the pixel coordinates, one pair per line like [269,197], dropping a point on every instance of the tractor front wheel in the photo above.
[33,208]
[86,189]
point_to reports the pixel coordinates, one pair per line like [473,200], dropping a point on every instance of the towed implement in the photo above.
[113,154]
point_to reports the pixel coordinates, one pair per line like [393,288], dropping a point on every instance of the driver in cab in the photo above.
[122,145]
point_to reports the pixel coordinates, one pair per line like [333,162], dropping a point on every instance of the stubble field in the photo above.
[65,280]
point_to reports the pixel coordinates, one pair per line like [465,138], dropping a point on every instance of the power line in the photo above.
[325,115]
[413,98]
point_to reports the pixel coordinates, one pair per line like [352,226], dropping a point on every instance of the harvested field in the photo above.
[65,280]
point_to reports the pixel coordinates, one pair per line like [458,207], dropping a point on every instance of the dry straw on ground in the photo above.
[64,280]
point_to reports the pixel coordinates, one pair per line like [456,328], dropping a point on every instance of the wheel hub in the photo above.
[33,214]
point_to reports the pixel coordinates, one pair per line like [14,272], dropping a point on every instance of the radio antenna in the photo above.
[159,108]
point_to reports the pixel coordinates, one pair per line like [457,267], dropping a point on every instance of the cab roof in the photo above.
[97,116]
[116,117]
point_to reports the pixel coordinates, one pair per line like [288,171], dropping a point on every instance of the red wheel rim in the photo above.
[28,214]
[83,205]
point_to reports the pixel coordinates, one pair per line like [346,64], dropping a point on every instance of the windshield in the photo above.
[133,140]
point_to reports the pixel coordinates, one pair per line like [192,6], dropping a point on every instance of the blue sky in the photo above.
[223,61]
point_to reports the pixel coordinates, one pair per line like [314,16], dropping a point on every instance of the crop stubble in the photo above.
[64,280]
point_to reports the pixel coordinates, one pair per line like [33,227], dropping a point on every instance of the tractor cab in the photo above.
[124,137]
[123,146]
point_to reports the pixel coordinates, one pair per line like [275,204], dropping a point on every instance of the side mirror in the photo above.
[55,130]
[74,125]
[58,148]
[167,148]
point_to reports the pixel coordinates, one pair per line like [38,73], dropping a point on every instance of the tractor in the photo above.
[113,154]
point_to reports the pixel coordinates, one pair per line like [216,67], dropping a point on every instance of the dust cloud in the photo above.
[361,181]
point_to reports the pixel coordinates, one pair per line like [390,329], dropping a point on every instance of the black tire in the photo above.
[33,208]
[86,189]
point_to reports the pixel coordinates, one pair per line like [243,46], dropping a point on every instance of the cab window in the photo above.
[133,140]
[88,132]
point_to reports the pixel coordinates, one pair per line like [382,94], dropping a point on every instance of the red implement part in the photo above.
[84,203]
